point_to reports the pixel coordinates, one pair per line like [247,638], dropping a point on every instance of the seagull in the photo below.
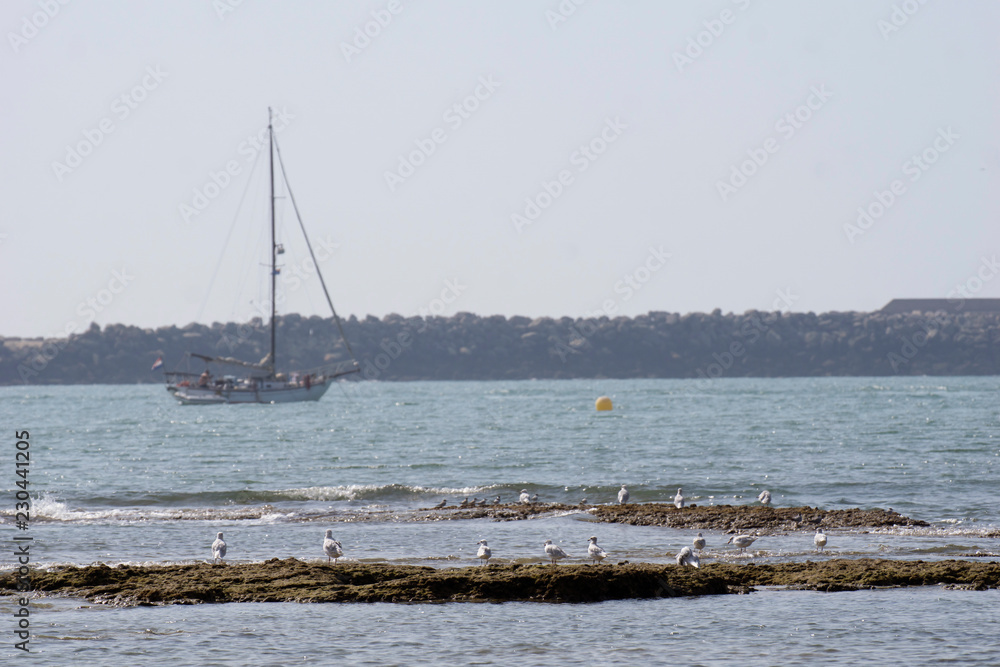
[485,553]
[534,498]
[554,552]
[496,501]
[687,557]
[464,503]
[742,541]
[596,553]
[475,502]
[218,548]
[623,495]
[583,501]
[764,497]
[332,547]
[698,542]
[444,501]
[679,499]
[819,539]
[525,498]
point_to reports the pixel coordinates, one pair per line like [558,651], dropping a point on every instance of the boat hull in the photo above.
[270,392]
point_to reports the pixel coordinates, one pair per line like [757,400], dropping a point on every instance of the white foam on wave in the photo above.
[938,531]
[46,508]
[372,491]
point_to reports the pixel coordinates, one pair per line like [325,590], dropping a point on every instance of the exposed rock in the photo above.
[734,518]
[291,580]
[729,518]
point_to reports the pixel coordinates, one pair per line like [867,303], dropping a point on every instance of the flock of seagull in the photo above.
[623,495]
[686,557]
[555,553]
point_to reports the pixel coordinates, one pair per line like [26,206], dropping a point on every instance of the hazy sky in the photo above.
[502,157]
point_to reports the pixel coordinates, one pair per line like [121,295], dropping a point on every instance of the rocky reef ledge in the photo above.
[292,580]
[728,518]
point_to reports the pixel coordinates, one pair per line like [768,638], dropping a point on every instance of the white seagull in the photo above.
[464,503]
[444,501]
[524,498]
[554,552]
[764,497]
[742,541]
[819,539]
[485,553]
[623,495]
[218,548]
[679,499]
[332,547]
[698,542]
[687,557]
[596,553]
[534,498]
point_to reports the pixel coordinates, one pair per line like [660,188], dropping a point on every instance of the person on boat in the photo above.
[307,381]
[204,379]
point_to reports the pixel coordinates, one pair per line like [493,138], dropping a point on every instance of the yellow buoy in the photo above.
[603,403]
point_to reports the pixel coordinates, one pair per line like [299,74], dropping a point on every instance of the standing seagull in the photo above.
[623,495]
[698,542]
[688,557]
[444,501]
[534,498]
[596,553]
[764,497]
[554,552]
[524,498]
[819,539]
[332,547]
[485,553]
[464,503]
[218,548]
[679,499]
[742,541]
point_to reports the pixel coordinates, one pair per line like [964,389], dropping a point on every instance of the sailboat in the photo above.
[260,382]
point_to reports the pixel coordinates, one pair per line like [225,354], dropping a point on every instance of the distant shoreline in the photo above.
[471,347]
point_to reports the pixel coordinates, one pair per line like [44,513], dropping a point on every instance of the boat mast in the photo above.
[274,247]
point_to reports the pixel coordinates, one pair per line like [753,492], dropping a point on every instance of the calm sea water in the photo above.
[124,474]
